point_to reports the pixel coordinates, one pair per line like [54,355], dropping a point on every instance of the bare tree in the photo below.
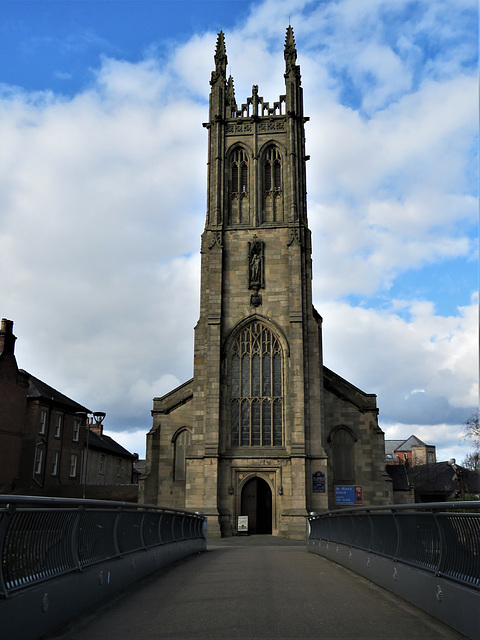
[471,429]
[472,461]
[471,433]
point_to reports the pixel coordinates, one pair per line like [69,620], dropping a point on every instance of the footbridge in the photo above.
[75,569]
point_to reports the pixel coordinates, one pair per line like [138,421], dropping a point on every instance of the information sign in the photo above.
[242,524]
[349,494]
[318,482]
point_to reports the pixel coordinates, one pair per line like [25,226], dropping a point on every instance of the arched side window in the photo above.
[256,396]
[180,445]
[272,170]
[343,443]
[238,172]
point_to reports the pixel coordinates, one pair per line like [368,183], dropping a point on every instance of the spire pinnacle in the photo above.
[290,53]
[230,95]
[220,61]
[220,54]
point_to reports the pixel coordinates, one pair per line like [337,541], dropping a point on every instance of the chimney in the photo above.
[95,427]
[7,339]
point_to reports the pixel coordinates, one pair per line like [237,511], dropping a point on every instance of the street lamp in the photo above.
[99,417]
[458,477]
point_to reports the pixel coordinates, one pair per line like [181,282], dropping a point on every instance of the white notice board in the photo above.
[242,524]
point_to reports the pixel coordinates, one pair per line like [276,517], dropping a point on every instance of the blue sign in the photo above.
[348,494]
[318,482]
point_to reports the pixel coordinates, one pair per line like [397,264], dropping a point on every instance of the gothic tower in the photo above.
[258,429]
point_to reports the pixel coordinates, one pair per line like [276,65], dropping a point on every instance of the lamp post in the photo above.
[98,416]
[458,477]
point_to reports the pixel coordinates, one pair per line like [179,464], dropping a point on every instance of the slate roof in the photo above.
[398,474]
[391,446]
[410,442]
[439,479]
[107,444]
[39,389]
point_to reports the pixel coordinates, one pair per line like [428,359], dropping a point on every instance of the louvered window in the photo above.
[272,170]
[239,172]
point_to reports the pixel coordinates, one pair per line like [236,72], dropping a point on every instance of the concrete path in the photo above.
[257,587]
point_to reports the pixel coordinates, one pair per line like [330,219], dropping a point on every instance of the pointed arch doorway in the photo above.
[257,505]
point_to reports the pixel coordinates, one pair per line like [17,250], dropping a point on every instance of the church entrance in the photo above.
[257,505]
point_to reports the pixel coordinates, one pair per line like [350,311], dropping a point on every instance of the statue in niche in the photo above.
[255,267]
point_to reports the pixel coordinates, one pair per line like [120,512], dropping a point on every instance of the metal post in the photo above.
[98,416]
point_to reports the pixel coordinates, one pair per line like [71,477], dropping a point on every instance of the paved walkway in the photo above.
[257,587]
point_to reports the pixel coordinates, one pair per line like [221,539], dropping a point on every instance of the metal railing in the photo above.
[440,538]
[44,538]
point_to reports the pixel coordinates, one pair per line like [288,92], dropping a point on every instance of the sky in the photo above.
[101,110]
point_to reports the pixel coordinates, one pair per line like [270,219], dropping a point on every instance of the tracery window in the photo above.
[272,170]
[181,443]
[256,397]
[239,171]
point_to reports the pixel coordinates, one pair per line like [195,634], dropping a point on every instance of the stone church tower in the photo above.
[263,429]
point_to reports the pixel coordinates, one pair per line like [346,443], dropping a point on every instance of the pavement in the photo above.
[256,587]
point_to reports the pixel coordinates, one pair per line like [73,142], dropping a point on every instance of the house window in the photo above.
[119,466]
[55,463]
[182,441]
[38,460]
[73,465]
[76,430]
[102,464]
[256,397]
[58,426]
[43,422]
[343,458]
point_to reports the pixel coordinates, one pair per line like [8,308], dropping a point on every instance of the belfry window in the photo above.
[239,172]
[181,443]
[272,170]
[256,398]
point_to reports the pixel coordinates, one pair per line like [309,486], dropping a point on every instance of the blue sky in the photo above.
[101,106]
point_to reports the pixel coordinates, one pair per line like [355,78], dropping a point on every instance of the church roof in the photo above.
[175,398]
[349,392]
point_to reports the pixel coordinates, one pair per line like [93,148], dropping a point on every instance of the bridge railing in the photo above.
[44,538]
[428,553]
[442,538]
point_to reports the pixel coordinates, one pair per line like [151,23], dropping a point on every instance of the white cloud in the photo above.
[102,203]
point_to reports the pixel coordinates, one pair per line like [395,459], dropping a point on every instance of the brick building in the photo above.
[263,429]
[43,444]
[411,452]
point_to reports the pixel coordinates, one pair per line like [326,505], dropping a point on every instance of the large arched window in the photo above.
[180,444]
[256,397]
[343,459]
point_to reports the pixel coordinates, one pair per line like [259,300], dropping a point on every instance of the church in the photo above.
[263,429]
